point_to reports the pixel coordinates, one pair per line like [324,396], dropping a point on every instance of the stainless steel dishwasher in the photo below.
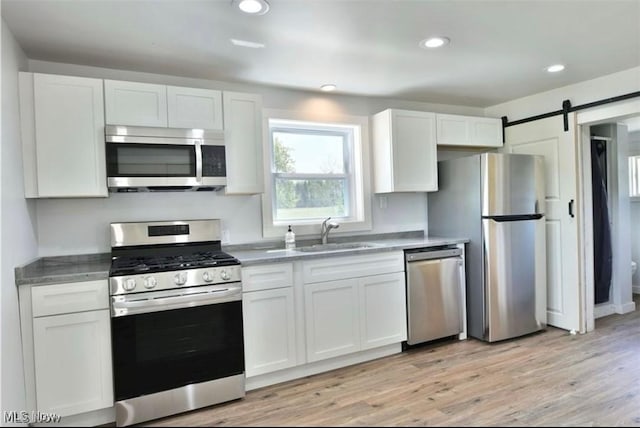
[434,296]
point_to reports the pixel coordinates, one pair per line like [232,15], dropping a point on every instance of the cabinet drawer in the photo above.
[335,268]
[71,297]
[265,277]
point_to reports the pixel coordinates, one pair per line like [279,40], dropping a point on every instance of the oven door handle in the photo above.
[130,305]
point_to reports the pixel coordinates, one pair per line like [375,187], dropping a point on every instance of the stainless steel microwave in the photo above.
[149,158]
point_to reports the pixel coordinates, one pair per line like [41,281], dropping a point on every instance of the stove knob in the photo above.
[129,284]
[180,278]
[225,275]
[207,276]
[150,282]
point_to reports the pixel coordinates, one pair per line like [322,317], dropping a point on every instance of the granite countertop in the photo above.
[60,269]
[89,267]
[274,255]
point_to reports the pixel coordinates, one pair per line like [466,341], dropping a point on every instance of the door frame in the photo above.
[584,120]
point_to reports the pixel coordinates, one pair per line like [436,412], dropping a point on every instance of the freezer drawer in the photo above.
[434,300]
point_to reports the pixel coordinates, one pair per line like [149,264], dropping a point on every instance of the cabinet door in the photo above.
[73,362]
[457,130]
[453,130]
[415,160]
[383,316]
[332,319]
[486,132]
[135,104]
[69,136]
[404,151]
[269,330]
[243,143]
[194,108]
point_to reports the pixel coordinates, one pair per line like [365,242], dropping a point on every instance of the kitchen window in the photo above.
[316,170]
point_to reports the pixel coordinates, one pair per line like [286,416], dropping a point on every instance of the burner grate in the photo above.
[125,265]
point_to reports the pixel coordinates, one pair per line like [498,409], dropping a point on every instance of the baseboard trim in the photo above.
[625,308]
[603,310]
[317,367]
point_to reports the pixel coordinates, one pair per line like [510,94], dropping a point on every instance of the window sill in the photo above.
[313,230]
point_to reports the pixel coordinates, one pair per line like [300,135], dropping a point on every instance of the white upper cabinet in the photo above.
[145,104]
[404,151]
[62,124]
[243,143]
[194,108]
[135,104]
[456,130]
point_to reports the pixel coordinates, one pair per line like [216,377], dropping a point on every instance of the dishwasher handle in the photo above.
[432,255]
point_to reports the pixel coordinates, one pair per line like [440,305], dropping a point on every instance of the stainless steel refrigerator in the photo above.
[497,201]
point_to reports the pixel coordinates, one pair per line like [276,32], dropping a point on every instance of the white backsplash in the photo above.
[81,226]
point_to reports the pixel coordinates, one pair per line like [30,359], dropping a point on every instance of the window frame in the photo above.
[634,153]
[358,172]
[347,133]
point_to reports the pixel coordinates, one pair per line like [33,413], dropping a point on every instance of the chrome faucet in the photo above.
[326,227]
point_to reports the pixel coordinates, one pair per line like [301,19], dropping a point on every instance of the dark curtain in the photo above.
[602,257]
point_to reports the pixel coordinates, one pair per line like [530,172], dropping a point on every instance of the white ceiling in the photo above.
[498,49]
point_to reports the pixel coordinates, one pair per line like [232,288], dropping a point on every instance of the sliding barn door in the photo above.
[547,137]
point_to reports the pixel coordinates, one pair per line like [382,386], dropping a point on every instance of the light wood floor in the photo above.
[549,378]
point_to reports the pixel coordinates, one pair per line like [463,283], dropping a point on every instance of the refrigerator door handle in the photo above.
[519,217]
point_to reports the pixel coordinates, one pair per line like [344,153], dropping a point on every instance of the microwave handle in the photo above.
[199,161]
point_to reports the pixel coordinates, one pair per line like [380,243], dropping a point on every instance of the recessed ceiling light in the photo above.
[328,87]
[247,44]
[254,7]
[555,68]
[434,42]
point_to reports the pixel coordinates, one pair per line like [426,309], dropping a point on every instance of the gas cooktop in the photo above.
[127,265]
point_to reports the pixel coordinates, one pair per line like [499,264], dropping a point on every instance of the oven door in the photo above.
[161,342]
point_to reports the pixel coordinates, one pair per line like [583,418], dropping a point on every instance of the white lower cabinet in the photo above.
[269,330]
[322,313]
[365,310]
[269,317]
[66,343]
[332,319]
[73,362]
[382,310]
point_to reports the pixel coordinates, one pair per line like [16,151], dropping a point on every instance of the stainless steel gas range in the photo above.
[176,308]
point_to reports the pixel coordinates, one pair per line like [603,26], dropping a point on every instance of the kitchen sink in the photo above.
[335,247]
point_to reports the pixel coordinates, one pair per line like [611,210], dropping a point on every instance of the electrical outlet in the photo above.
[225,236]
[383,202]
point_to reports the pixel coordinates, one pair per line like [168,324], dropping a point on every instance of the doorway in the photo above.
[612,125]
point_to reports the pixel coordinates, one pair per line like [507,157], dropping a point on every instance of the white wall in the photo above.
[604,87]
[18,226]
[634,149]
[67,226]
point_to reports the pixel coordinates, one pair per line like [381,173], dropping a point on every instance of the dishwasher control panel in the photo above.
[430,254]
